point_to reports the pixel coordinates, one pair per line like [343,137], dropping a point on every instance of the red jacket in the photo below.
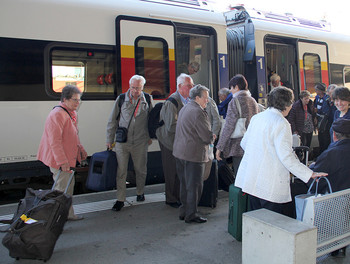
[60,142]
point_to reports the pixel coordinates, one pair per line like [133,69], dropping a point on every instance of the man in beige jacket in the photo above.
[138,139]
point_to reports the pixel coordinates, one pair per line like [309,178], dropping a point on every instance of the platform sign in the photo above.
[223,70]
[261,81]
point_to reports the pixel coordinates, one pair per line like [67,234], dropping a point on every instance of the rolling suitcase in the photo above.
[37,223]
[102,171]
[238,204]
[210,188]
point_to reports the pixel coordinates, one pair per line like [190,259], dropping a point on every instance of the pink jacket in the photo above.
[60,141]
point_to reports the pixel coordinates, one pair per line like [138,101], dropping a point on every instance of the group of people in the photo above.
[329,105]
[192,124]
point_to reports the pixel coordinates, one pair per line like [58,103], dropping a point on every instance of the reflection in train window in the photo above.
[90,70]
[152,62]
[312,71]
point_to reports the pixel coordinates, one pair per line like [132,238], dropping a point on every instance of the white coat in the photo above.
[268,158]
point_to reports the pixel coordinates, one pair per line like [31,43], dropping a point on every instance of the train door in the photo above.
[281,59]
[195,49]
[146,47]
[313,63]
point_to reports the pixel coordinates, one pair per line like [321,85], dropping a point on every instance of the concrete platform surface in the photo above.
[148,232]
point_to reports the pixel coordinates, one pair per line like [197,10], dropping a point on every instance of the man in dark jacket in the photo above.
[336,162]
[336,159]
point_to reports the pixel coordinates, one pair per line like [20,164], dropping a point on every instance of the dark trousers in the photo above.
[257,203]
[324,140]
[191,186]
[172,183]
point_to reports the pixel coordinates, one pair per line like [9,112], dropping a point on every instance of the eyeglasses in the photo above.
[76,100]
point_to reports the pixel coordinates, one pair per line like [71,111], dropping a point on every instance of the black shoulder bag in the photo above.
[121,135]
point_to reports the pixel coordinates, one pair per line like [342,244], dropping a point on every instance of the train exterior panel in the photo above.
[97,46]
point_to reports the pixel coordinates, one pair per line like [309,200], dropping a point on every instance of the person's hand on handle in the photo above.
[65,167]
[318,174]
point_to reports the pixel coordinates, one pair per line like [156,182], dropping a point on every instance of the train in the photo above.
[99,45]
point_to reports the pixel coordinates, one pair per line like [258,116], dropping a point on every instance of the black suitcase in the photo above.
[210,188]
[37,223]
[102,171]
[225,175]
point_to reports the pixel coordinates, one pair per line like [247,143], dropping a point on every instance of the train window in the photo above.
[312,71]
[90,68]
[347,76]
[152,62]
[22,70]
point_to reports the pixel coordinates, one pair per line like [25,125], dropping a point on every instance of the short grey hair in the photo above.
[182,78]
[197,91]
[68,91]
[224,91]
[138,78]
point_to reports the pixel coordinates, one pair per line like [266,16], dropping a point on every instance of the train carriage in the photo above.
[98,46]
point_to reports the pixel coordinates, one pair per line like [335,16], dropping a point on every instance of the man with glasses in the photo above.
[131,111]
[166,136]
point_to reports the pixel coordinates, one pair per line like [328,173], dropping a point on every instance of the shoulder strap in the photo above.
[64,110]
[148,98]
[238,107]
[173,100]
[120,103]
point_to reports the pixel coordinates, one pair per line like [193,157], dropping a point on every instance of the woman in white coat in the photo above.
[268,160]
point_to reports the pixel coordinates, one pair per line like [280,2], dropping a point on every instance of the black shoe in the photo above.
[198,220]
[174,205]
[118,206]
[140,198]
[181,218]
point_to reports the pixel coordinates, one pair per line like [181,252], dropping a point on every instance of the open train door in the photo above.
[313,64]
[146,47]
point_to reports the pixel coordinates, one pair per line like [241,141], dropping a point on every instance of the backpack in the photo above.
[154,121]
[122,99]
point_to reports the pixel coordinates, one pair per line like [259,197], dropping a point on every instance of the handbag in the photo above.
[121,135]
[240,128]
[302,200]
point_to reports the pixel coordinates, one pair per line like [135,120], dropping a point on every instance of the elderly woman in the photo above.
[192,138]
[230,147]
[268,158]
[341,99]
[60,147]
[302,118]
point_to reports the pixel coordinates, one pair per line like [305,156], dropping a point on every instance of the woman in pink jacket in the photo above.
[60,146]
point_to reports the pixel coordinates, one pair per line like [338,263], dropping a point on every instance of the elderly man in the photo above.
[166,134]
[192,138]
[131,111]
[336,162]
[225,97]
[336,159]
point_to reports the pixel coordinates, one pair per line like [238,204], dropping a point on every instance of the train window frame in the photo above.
[87,49]
[140,68]
[311,89]
[346,72]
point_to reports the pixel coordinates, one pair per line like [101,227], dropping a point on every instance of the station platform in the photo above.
[142,232]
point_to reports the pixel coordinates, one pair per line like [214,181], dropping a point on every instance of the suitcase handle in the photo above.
[69,181]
